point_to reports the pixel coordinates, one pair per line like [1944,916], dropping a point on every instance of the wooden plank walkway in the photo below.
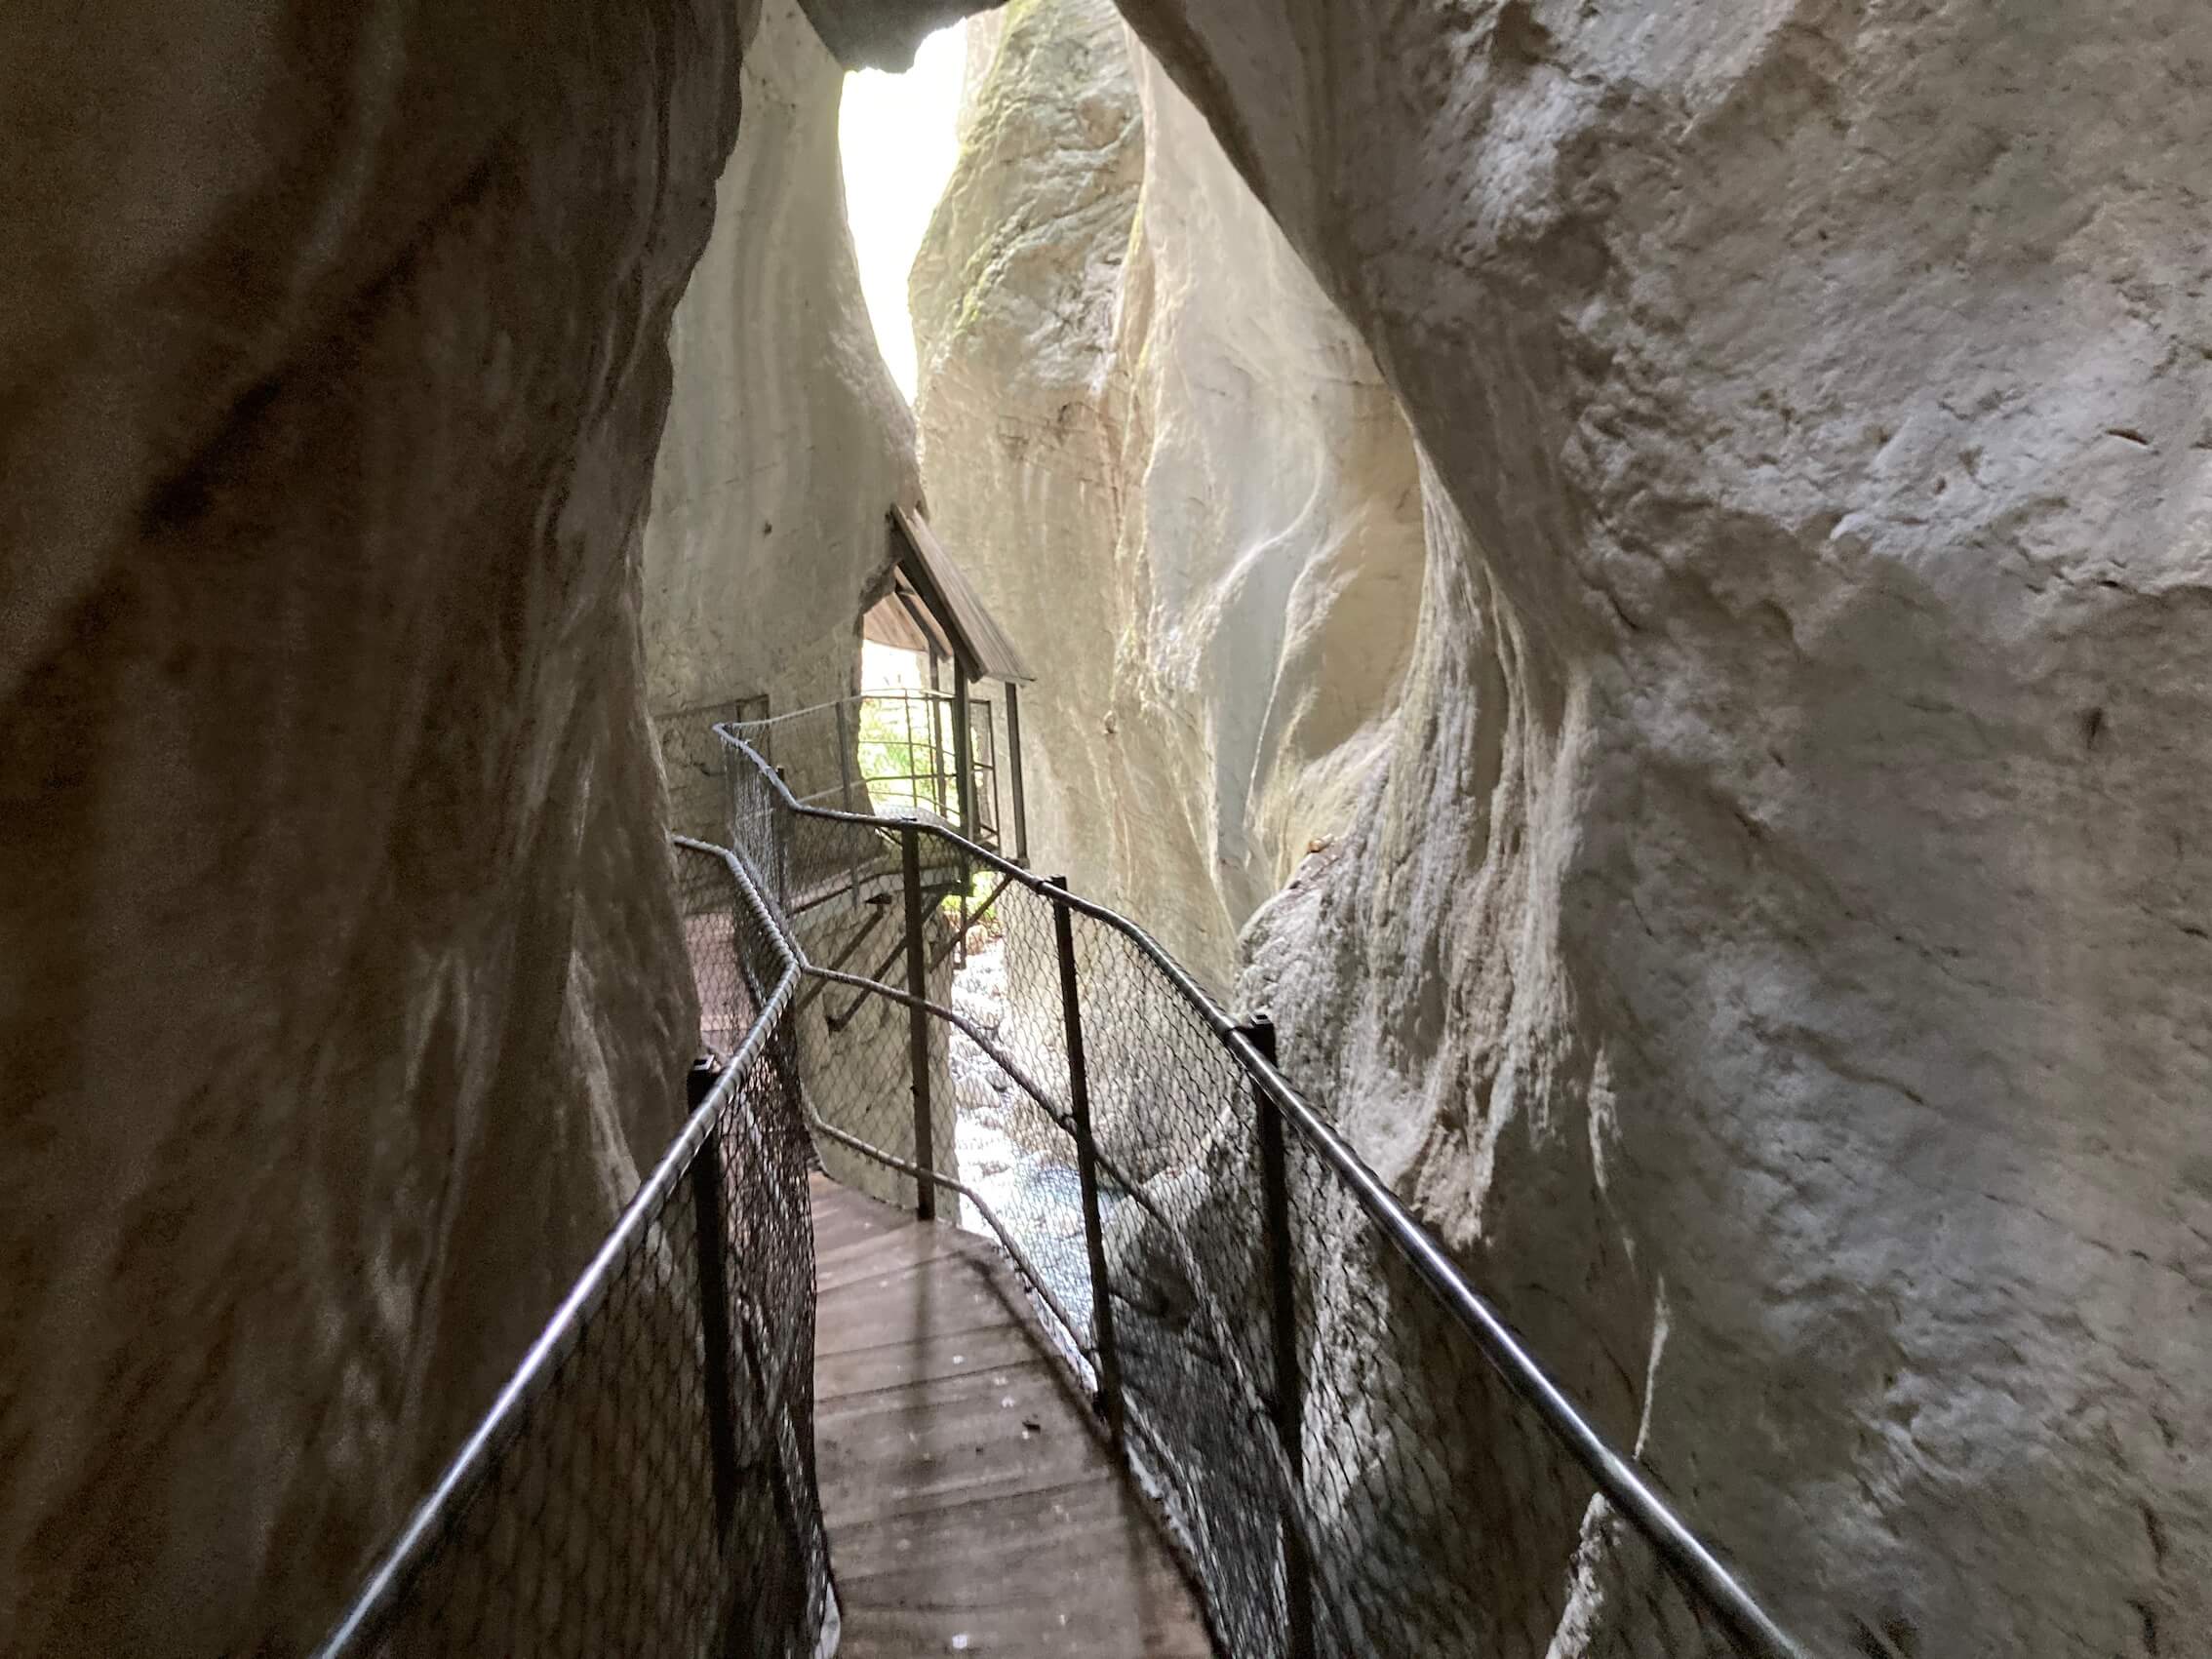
[972,1504]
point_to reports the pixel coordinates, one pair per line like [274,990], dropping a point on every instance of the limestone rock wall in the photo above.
[1775,956]
[341,992]
[786,441]
[786,444]
[1175,472]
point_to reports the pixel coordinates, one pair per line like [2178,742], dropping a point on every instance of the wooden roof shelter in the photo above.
[933,608]
[938,606]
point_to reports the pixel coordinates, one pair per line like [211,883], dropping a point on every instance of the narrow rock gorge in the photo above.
[786,444]
[1774,956]
[1772,952]
[1176,472]
[786,441]
[1677,536]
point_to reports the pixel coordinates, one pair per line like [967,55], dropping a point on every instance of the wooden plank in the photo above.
[873,1261]
[840,1221]
[1058,1575]
[995,1432]
[959,608]
[893,1322]
[940,1352]
[1054,1572]
[971,1502]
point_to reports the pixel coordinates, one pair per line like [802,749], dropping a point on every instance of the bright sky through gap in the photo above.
[898,137]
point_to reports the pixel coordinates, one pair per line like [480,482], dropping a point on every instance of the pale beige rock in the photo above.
[786,444]
[1775,958]
[981,39]
[340,989]
[786,441]
[1173,472]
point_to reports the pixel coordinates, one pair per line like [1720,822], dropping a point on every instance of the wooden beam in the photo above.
[963,769]
[1013,765]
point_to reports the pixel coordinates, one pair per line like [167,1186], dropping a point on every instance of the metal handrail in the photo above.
[1061,1120]
[928,786]
[925,1172]
[1623,1480]
[413,1545]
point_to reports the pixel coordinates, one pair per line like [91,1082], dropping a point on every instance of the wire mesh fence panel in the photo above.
[815,750]
[856,1068]
[645,1484]
[1015,1130]
[1429,1497]
[691,762]
[894,753]
[1351,1465]
[1186,1270]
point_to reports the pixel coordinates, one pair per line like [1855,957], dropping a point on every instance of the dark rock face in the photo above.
[882,35]
[340,987]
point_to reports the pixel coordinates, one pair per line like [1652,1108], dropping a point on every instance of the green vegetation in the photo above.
[904,762]
[983,921]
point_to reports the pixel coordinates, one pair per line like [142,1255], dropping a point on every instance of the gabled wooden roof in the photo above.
[978,642]
[901,618]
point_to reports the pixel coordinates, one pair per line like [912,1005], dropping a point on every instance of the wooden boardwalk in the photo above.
[973,1505]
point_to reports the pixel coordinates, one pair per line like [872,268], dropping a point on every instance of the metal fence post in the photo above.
[783,844]
[1087,1170]
[714,1311]
[733,797]
[963,755]
[845,798]
[918,1043]
[1282,1300]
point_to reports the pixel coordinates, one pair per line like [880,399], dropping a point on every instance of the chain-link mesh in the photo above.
[891,752]
[645,1486]
[690,761]
[1333,1444]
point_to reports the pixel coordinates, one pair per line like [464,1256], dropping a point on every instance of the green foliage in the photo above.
[985,923]
[904,759]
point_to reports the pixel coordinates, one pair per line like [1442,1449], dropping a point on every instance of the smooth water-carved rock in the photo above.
[341,993]
[1174,468]
[786,444]
[786,441]
[1774,958]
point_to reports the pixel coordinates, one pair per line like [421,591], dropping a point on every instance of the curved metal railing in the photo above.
[644,1482]
[1357,1453]
[1287,1346]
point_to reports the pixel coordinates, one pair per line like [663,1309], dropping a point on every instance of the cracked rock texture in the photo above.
[1776,956]
[1175,471]
[341,992]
